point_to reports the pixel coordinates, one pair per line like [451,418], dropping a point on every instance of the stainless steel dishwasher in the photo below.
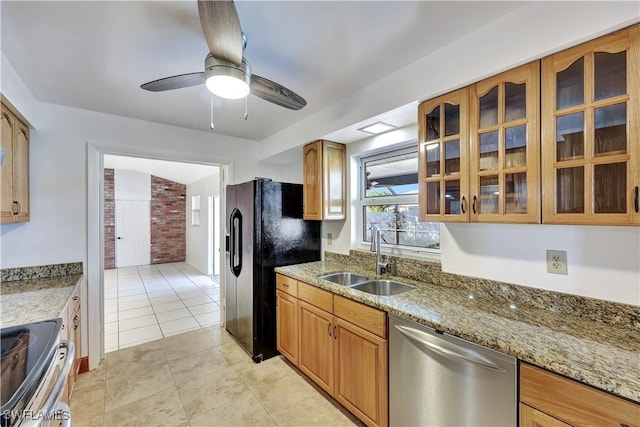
[439,380]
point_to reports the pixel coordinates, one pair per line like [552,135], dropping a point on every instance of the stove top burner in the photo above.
[26,352]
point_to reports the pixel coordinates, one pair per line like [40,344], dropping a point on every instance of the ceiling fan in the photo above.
[226,72]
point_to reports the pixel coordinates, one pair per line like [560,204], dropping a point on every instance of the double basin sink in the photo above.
[380,287]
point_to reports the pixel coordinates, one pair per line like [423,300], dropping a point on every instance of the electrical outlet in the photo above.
[329,239]
[556,262]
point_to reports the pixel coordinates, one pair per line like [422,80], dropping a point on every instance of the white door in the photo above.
[133,233]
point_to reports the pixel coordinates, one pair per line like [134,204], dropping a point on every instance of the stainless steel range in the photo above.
[34,368]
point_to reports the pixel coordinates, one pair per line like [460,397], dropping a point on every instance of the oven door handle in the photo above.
[65,414]
[51,403]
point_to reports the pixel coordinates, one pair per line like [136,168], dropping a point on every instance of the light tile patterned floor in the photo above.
[146,303]
[199,378]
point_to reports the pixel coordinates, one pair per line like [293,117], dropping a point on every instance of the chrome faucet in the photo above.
[376,247]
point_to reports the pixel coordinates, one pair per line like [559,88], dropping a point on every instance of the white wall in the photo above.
[131,185]
[603,262]
[57,230]
[198,237]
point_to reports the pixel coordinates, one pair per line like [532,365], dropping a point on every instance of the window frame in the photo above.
[364,201]
[195,210]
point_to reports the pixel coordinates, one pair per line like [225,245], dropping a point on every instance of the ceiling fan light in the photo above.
[228,87]
[227,80]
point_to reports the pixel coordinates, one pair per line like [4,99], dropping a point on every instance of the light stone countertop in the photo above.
[26,301]
[594,353]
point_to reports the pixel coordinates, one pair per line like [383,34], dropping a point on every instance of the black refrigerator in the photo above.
[265,230]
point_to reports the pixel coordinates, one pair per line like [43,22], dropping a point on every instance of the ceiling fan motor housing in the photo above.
[221,75]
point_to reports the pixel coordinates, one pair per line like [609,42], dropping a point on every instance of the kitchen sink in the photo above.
[345,279]
[382,287]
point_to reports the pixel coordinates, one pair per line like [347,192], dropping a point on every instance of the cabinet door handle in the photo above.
[334,332]
[284,285]
[473,205]
[16,207]
[636,202]
[76,322]
[76,298]
[463,205]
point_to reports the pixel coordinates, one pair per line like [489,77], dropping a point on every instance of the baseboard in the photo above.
[84,365]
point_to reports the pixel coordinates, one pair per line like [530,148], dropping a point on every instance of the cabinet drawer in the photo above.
[572,402]
[287,284]
[316,296]
[368,318]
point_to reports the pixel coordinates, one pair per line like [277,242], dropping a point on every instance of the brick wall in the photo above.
[109,221]
[168,221]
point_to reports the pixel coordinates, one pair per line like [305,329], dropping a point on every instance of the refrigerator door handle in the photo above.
[236,241]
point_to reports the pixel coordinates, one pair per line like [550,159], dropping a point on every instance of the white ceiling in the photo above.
[94,55]
[184,173]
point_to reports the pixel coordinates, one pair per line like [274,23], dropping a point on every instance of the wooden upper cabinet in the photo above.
[14,170]
[443,158]
[324,185]
[591,132]
[7,129]
[505,147]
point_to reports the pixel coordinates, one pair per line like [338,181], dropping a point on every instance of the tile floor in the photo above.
[199,378]
[146,303]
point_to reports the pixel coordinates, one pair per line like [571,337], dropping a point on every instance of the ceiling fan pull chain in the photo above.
[246,107]
[212,125]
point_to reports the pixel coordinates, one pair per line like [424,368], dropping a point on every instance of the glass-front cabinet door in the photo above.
[591,132]
[504,165]
[443,163]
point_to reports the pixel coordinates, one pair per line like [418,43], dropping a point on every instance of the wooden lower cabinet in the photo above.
[530,417]
[362,373]
[346,357]
[287,326]
[71,330]
[316,346]
[546,398]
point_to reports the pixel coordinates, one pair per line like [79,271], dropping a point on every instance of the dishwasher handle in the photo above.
[414,335]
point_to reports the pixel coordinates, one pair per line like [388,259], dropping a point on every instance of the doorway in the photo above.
[160,282]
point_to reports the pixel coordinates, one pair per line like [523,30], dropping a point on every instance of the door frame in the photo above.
[94,269]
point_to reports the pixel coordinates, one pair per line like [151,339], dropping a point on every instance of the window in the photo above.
[195,210]
[389,200]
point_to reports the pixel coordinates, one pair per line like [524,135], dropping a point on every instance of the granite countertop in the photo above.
[33,300]
[594,353]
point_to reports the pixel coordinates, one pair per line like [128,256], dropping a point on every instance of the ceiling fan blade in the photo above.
[174,82]
[221,28]
[276,93]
